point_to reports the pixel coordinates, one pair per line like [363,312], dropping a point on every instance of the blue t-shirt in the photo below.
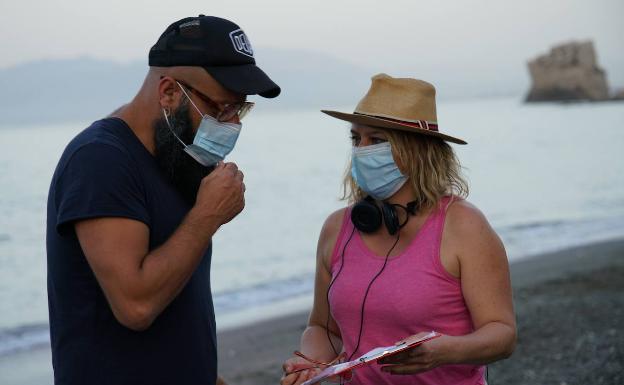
[105,171]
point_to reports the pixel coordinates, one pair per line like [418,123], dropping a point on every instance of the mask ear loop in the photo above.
[171,129]
[189,98]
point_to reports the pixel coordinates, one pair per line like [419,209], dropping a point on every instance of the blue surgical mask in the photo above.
[213,140]
[374,170]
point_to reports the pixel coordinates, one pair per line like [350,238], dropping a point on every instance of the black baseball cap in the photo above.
[217,45]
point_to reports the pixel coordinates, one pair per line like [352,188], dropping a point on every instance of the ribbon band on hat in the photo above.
[422,124]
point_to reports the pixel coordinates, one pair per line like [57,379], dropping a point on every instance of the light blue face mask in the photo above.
[374,170]
[213,140]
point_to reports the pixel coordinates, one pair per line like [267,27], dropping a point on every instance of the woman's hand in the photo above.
[418,359]
[297,366]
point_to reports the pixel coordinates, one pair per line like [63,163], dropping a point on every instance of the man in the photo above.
[133,204]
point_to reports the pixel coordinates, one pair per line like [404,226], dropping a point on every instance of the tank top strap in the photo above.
[438,220]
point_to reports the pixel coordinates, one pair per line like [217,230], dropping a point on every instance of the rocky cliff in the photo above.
[568,72]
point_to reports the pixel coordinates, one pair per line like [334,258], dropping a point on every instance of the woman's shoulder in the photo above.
[461,205]
[329,234]
[468,230]
[334,221]
[463,217]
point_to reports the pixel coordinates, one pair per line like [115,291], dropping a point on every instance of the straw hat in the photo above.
[398,103]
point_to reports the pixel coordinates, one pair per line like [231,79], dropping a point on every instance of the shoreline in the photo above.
[253,353]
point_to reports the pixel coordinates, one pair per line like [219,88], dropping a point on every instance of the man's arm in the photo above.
[139,283]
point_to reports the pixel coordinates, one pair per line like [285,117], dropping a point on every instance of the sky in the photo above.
[472,38]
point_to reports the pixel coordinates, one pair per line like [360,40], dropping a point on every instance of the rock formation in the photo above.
[569,72]
[619,95]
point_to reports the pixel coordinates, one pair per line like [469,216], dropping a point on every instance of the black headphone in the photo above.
[368,214]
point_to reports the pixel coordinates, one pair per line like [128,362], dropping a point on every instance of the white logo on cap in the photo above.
[241,43]
[192,23]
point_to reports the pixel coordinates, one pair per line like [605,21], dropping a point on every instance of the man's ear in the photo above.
[169,94]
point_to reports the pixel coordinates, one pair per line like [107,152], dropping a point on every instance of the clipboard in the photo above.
[368,357]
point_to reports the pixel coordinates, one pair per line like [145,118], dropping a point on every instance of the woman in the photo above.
[408,256]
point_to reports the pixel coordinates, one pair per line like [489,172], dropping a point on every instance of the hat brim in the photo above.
[246,79]
[373,121]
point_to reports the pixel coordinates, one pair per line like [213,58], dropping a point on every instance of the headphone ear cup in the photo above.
[366,216]
[390,217]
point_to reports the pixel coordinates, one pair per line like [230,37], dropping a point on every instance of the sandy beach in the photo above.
[570,312]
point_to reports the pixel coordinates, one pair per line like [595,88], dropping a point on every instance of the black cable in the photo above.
[329,287]
[366,295]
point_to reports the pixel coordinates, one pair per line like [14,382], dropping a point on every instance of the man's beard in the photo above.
[180,168]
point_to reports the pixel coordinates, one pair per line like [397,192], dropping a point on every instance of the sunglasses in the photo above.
[226,112]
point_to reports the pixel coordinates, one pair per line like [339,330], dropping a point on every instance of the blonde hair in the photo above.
[430,164]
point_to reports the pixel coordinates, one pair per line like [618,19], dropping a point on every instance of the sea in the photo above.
[547,177]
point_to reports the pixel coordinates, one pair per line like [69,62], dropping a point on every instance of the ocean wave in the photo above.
[261,294]
[529,239]
[23,338]
[533,225]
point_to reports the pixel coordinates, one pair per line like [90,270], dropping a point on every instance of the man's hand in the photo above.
[221,195]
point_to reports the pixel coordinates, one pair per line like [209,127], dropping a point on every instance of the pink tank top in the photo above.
[413,294]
